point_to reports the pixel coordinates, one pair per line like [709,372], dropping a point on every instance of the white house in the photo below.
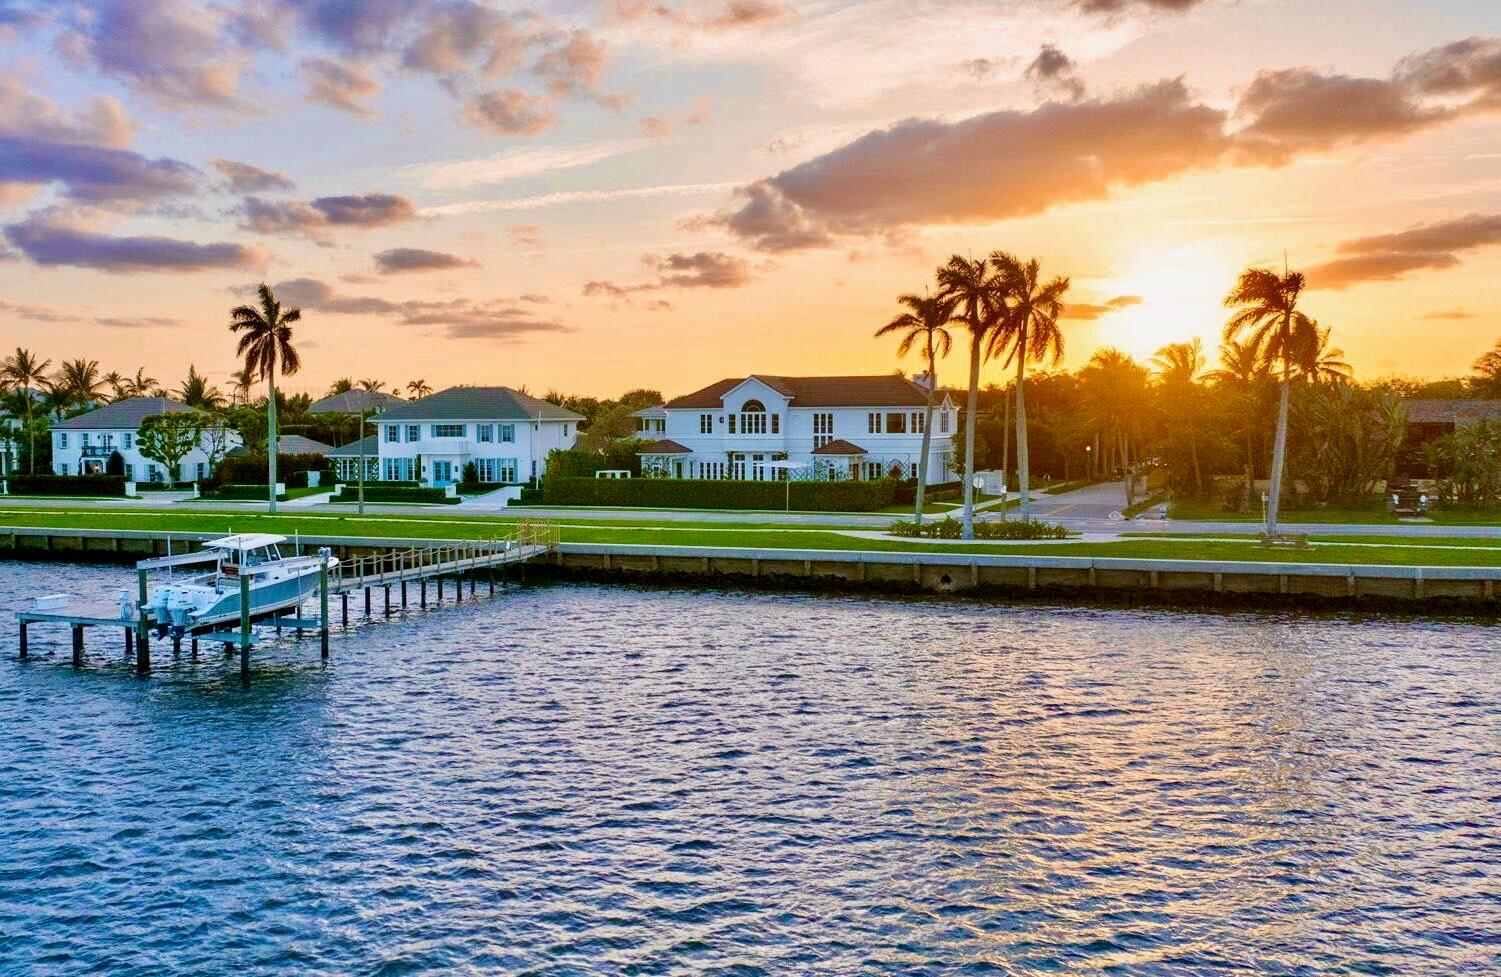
[82,445]
[506,433]
[818,427]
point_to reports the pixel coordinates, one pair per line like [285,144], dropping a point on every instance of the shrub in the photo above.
[906,492]
[671,493]
[96,485]
[387,492]
[951,528]
[245,469]
[254,492]
[164,487]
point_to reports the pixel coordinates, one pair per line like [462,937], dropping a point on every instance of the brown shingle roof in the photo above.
[885,390]
[665,447]
[1451,411]
[839,446]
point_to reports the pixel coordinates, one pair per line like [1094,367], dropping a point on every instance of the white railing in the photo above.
[456,557]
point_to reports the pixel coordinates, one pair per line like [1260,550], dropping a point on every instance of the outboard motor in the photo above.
[158,603]
[179,603]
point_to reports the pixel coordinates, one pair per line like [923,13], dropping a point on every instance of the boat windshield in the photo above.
[259,555]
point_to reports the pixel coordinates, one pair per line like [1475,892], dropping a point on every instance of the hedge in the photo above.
[251,491]
[675,493]
[164,487]
[906,492]
[248,469]
[386,492]
[98,485]
[951,528]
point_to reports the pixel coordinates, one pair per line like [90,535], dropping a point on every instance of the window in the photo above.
[83,439]
[872,470]
[414,432]
[484,433]
[873,423]
[776,424]
[448,430]
[917,422]
[128,441]
[393,433]
[397,470]
[752,418]
[732,423]
[507,433]
[706,424]
[508,470]
[130,472]
[823,429]
[896,423]
[63,468]
[565,430]
[62,442]
[202,471]
[943,422]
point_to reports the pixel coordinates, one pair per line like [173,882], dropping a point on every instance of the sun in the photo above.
[1167,297]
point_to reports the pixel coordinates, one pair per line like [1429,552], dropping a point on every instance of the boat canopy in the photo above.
[244,542]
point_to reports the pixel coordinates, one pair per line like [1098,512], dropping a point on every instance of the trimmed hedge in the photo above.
[97,485]
[248,469]
[682,493]
[256,493]
[164,487]
[951,528]
[386,492]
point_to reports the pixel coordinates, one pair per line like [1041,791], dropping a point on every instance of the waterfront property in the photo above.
[766,427]
[504,433]
[355,402]
[346,459]
[83,445]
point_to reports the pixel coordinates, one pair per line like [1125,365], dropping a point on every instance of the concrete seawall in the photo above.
[1166,581]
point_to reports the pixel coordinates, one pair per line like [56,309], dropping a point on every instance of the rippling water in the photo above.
[581,780]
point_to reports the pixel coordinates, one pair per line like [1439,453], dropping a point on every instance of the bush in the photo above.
[164,486]
[672,493]
[951,528]
[389,492]
[579,463]
[251,492]
[94,485]
[247,469]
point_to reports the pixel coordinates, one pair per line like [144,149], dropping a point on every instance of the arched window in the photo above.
[752,417]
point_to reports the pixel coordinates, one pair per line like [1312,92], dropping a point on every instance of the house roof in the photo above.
[655,410]
[665,447]
[479,403]
[293,444]
[355,402]
[885,390]
[122,415]
[839,446]
[1451,411]
[367,446]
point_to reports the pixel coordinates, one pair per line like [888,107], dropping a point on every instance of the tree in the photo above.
[343,385]
[977,298]
[1322,363]
[197,392]
[1266,306]
[924,324]
[1245,375]
[266,344]
[167,439]
[1114,385]
[1178,366]
[240,382]
[1487,369]
[81,381]
[116,381]
[140,385]
[26,373]
[373,386]
[1030,329]
[418,389]
[1347,439]
[215,438]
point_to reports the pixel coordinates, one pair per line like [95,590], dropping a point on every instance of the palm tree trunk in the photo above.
[1279,451]
[30,434]
[1006,468]
[971,405]
[1023,461]
[927,431]
[271,438]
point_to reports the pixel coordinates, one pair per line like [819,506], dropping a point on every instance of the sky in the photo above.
[595,197]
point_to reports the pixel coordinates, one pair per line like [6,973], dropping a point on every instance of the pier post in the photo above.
[244,627]
[176,645]
[143,629]
[440,589]
[130,642]
[194,649]
[367,602]
[403,593]
[77,645]
[471,583]
[25,652]
[422,592]
[458,590]
[323,608]
[387,589]
[344,600]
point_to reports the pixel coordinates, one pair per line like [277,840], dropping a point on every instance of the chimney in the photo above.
[924,380]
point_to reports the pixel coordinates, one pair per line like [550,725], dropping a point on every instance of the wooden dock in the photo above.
[422,566]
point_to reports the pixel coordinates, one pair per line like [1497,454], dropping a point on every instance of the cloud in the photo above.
[1384,257]
[510,112]
[1087,312]
[460,318]
[1468,68]
[1450,314]
[932,171]
[137,322]
[573,68]
[726,16]
[245,178]
[398,260]
[101,122]
[317,216]
[1298,110]
[47,241]
[516,165]
[655,127]
[704,269]
[525,235]
[93,174]
[461,38]
[1118,6]
[174,52]
[345,85]
[1055,73]
[566,197]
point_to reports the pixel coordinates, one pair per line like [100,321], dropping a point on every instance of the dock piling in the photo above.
[25,652]
[77,645]
[244,627]
[323,607]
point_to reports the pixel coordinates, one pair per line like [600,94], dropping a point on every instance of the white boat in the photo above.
[191,601]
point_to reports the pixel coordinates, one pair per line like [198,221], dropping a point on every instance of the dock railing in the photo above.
[460,556]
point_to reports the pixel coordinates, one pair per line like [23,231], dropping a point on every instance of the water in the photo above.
[582,780]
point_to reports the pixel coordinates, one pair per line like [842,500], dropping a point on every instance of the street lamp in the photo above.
[364,419]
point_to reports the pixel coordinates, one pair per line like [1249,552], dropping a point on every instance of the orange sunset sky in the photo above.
[595,197]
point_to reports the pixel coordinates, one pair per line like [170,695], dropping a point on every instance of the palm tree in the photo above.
[1488,366]
[374,386]
[197,392]
[1244,371]
[1266,305]
[925,320]
[418,389]
[970,286]
[1031,330]
[81,380]
[240,382]
[1178,367]
[140,385]
[1322,363]
[267,345]
[116,382]
[340,386]
[25,372]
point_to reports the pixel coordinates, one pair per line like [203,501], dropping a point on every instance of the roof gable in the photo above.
[479,404]
[122,415]
[355,402]
[884,390]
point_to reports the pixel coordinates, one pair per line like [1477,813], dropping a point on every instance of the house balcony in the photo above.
[97,450]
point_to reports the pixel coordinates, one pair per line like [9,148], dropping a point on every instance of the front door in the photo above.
[442,473]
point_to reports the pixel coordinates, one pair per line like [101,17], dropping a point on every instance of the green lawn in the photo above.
[1360,539]
[1212,512]
[732,535]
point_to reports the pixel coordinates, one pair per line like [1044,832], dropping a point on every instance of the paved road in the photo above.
[1091,502]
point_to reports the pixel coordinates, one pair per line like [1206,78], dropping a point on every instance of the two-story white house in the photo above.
[83,445]
[860,427]
[505,433]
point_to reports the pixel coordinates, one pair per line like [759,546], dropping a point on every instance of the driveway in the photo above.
[1091,502]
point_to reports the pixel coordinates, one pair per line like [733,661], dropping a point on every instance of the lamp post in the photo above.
[364,419]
